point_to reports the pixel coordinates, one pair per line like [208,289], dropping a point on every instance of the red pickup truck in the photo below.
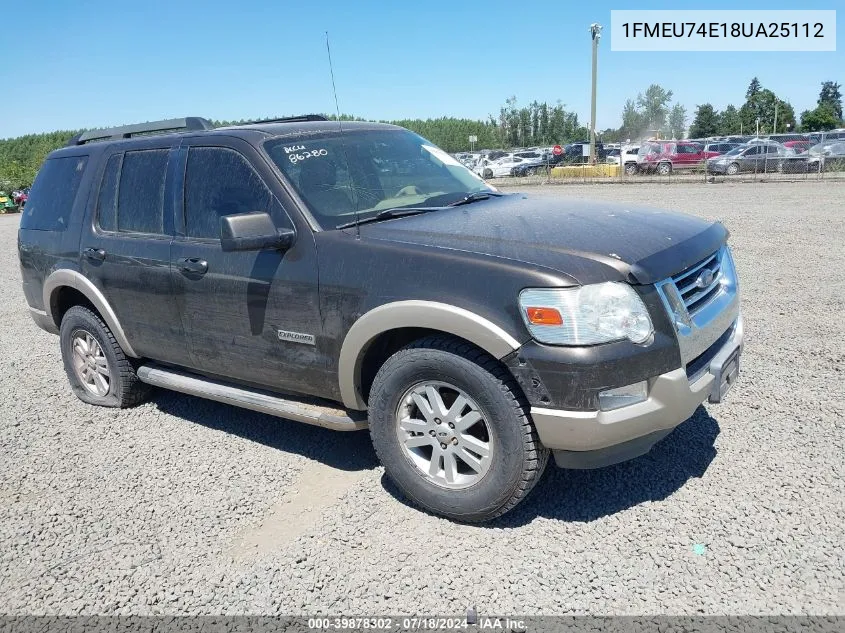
[666,156]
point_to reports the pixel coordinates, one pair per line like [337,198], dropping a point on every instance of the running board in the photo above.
[262,401]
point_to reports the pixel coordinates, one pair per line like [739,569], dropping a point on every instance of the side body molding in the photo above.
[77,281]
[422,314]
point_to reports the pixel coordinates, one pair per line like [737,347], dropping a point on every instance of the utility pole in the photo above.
[595,31]
[775,131]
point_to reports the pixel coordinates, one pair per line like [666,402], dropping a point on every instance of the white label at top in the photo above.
[728,30]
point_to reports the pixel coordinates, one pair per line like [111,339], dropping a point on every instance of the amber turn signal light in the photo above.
[544,316]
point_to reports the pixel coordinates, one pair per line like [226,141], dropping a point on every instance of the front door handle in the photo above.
[97,254]
[194,265]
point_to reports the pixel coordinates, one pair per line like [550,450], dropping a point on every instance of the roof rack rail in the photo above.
[189,123]
[302,118]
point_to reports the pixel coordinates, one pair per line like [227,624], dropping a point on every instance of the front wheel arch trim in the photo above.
[417,314]
[72,279]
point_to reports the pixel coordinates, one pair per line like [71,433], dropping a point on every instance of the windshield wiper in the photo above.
[475,196]
[399,212]
[389,214]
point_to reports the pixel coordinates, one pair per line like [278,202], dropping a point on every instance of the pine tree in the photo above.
[831,95]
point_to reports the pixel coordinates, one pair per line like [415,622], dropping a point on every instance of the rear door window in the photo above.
[53,194]
[140,198]
[107,198]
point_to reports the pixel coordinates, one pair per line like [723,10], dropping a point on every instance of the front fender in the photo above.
[419,314]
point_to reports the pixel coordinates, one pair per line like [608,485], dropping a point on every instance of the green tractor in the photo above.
[7,204]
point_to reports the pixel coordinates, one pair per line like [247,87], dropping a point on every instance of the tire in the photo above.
[631,169]
[118,384]
[488,173]
[732,170]
[664,169]
[514,459]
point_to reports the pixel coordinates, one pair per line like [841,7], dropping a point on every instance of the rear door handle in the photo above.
[97,254]
[194,265]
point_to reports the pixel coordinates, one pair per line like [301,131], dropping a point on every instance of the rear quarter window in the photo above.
[53,193]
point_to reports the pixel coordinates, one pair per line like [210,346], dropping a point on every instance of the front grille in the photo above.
[703,302]
[693,292]
[697,366]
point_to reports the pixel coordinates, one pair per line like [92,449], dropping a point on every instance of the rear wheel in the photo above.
[97,369]
[631,169]
[452,430]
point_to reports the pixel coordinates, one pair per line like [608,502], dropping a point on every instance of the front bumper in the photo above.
[592,439]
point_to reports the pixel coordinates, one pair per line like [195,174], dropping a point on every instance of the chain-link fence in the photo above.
[757,159]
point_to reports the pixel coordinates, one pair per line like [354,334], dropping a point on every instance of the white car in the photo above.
[498,168]
[627,158]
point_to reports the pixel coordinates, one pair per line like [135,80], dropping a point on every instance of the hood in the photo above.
[588,241]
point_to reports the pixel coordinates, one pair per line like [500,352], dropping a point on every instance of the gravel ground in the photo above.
[184,506]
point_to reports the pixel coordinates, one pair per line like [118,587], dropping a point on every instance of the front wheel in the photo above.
[732,170]
[450,427]
[631,169]
[664,169]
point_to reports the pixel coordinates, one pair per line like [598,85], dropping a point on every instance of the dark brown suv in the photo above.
[362,278]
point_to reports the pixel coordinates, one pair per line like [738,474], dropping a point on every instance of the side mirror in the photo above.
[253,232]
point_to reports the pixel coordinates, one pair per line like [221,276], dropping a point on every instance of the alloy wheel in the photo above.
[90,363]
[444,434]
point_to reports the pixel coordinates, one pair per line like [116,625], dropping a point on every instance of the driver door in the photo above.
[237,305]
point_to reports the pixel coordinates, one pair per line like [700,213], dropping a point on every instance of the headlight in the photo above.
[586,315]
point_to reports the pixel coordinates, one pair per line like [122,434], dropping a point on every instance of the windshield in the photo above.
[734,151]
[369,171]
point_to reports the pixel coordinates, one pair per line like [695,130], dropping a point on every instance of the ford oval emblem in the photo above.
[705,278]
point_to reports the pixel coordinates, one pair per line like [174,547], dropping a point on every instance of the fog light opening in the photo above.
[623,396]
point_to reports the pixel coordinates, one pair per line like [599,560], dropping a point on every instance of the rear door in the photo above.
[772,158]
[681,156]
[125,247]
[688,155]
[697,155]
[751,159]
[252,316]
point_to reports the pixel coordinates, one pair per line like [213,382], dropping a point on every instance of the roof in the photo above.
[304,124]
[251,131]
[305,127]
